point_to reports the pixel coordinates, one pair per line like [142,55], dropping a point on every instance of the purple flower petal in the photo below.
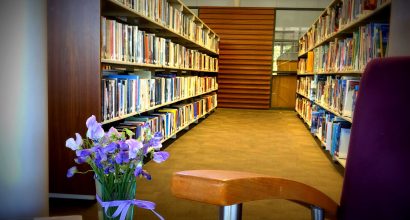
[83,153]
[91,121]
[138,170]
[74,144]
[110,148]
[123,145]
[160,156]
[80,160]
[95,130]
[72,171]
[122,157]
[134,146]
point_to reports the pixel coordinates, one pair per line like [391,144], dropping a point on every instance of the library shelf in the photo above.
[187,124]
[309,124]
[325,107]
[341,161]
[147,65]
[113,7]
[343,72]
[154,107]
[76,73]
[348,28]
[303,95]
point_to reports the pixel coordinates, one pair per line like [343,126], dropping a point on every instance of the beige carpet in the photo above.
[273,142]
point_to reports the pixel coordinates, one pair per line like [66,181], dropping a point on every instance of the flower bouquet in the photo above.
[116,160]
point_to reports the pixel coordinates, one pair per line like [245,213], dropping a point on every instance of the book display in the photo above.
[129,63]
[333,54]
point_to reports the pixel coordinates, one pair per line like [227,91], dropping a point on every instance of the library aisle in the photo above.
[272,142]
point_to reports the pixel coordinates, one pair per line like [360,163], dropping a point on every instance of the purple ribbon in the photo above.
[124,205]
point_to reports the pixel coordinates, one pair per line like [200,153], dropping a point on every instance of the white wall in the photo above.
[23,118]
[260,3]
[399,35]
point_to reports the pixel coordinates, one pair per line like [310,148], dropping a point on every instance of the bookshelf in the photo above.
[76,62]
[332,56]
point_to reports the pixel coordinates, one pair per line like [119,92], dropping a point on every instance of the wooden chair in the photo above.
[377,174]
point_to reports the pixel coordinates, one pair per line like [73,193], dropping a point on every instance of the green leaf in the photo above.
[129,132]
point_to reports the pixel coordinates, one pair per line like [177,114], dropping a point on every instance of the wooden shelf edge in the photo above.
[332,111]
[154,107]
[125,63]
[347,72]
[303,95]
[304,119]
[325,107]
[138,14]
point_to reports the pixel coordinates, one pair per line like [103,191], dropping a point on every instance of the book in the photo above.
[344,142]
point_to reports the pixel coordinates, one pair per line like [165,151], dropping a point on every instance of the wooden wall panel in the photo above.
[283,91]
[73,86]
[245,56]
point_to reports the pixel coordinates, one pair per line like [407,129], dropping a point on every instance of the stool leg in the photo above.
[317,213]
[231,212]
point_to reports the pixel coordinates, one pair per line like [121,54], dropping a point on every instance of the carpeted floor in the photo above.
[273,142]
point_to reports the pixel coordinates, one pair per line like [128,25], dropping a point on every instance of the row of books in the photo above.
[340,14]
[305,65]
[170,120]
[339,94]
[171,14]
[304,108]
[332,131]
[367,43]
[349,54]
[127,94]
[123,42]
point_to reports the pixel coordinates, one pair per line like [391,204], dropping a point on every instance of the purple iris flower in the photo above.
[122,157]
[72,171]
[155,141]
[74,144]
[110,148]
[95,130]
[83,153]
[134,146]
[140,172]
[123,145]
[100,155]
[80,160]
[160,156]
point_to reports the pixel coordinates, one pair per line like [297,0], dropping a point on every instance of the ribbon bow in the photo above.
[124,205]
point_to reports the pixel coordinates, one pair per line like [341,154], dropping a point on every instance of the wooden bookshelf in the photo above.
[332,111]
[155,66]
[115,8]
[381,11]
[154,107]
[350,27]
[325,107]
[75,72]
[381,14]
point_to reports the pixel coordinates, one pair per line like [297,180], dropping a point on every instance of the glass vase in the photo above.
[113,192]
